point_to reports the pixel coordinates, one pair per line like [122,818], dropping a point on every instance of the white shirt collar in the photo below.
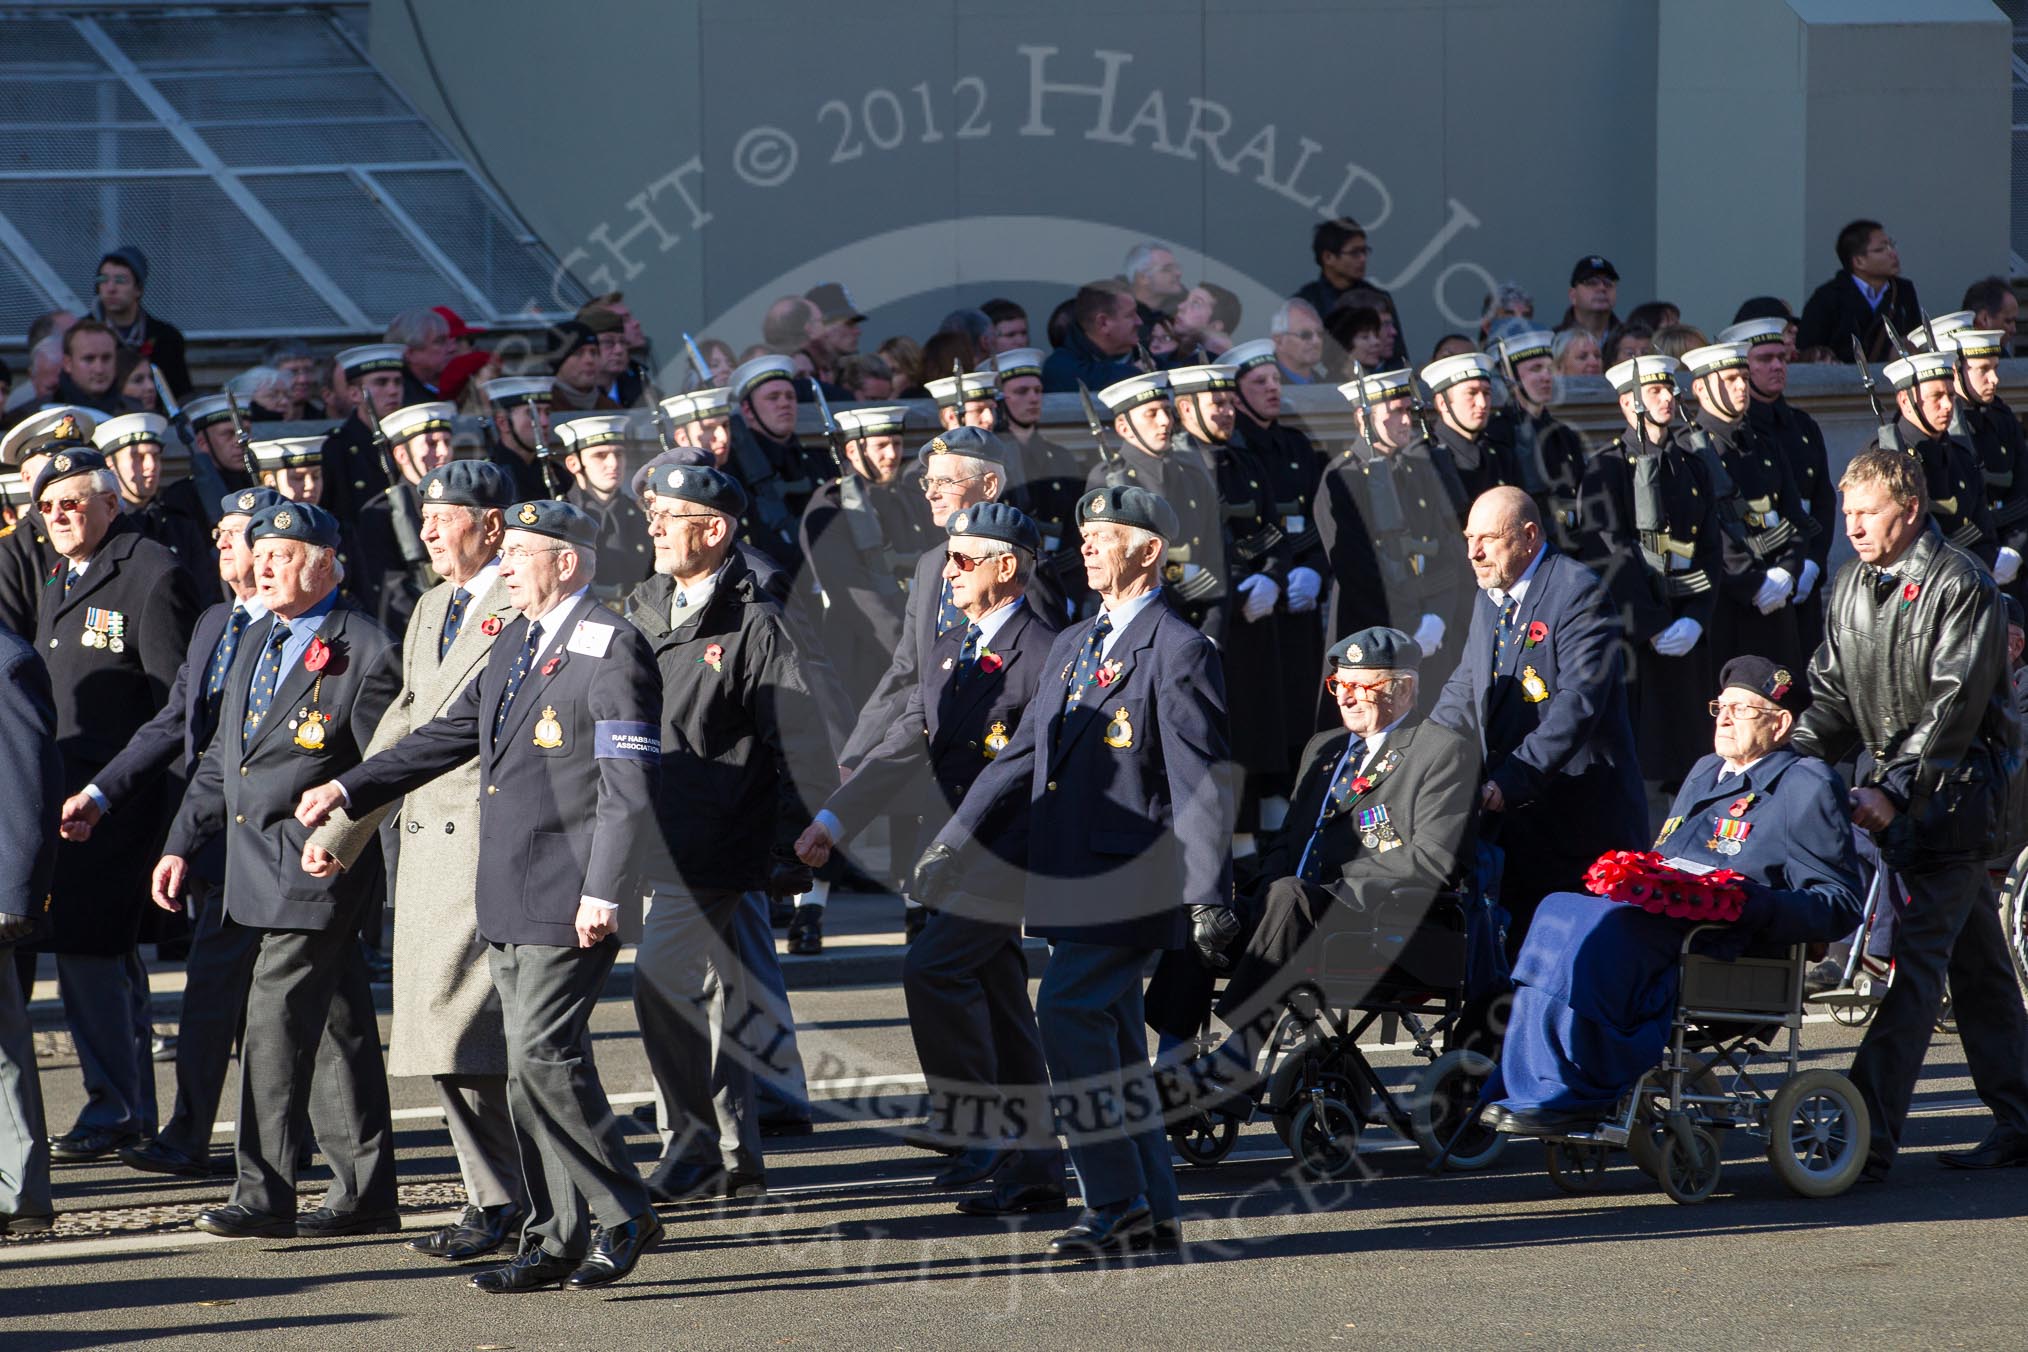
[1379,739]
[254,607]
[545,628]
[1519,591]
[481,582]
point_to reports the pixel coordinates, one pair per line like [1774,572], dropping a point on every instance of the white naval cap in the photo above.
[508,391]
[1379,387]
[1920,366]
[1019,361]
[750,376]
[287,453]
[1941,325]
[1973,342]
[1652,368]
[885,420]
[1195,379]
[412,420]
[1702,361]
[64,423]
[602,429]
[1243,357]
[1456,370]
[1526,345]
[1134,391]
[129,429]
[370,357]
[1757,332]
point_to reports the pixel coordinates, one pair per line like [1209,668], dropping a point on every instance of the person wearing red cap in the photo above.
[462,335]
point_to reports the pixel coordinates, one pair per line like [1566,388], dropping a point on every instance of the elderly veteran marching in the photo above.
[393,562]
[965,976]
[302,697]
[115,613]
[562,719]
[740,741]
[447,1022]
[1119,761]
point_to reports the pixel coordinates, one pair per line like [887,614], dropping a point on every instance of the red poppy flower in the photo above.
[1105,677]
[490,625]
[1910,591]
[990,663]
[1361,784]
[714,657]
[549,667]
[1537,632]
[318,656]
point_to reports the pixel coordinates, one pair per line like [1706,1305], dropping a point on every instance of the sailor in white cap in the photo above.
[1925,397]
[1193,569]
[703,419]
[1049,478]
[949,400]
[519,431]
[1766,566]
[1461,390]
[1996,440]
[132,445]
[1548,453]
[368,379]
[764,394]
[393,563]
[596,448]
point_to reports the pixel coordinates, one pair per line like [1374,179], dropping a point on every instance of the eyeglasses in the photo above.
[521,553]
[654,516]
[1355,251]
[64,506]
[1307,335]
[1338,685]
[937,484]
[1741,713]
[967,562]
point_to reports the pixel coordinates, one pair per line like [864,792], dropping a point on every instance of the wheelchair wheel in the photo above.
[1447,1098]
[1577,1166]
[2014,921]
[1689,1174]
[1324,1134]
[1205,1138]
[1817,1133]
[1287,1092]
[1858,1013]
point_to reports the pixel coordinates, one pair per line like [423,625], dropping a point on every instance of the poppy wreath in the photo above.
[1640,878]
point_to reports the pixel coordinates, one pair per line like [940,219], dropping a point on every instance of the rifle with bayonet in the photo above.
[555,477]
[1107,455]
[403,510]
[697,360]
[665,431]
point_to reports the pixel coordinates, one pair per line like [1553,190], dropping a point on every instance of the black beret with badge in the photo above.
[1377,647]
[247,501]
[1000,521]
[287,520]
[468,483]
[1129,505]
[1762,677]
[68,463]
[643,481]
[556,519]
[974,443]
[701,485]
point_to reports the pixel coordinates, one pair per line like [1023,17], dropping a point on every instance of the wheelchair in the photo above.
[1317,1086]
[1728,1013]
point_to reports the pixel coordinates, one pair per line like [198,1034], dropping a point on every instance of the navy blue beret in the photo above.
[675,455]
[702,485]
[468,483]
[287,520]
[1129,505]
[975,442]
[247,501]
[995,521]
[1767,679]
[67,463]
[1376,647]
[556,519]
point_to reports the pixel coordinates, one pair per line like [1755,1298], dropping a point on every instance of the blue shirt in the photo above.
[301,630]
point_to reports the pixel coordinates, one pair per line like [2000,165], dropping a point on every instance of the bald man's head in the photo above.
[1502,535]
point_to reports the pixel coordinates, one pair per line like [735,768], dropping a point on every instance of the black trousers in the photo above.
[216,974]
[1950,930]
[1291,910]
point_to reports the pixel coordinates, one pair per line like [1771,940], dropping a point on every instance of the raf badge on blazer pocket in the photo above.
[1120,732]
[309,726]
[996,740]
[1532,686]
[548,732]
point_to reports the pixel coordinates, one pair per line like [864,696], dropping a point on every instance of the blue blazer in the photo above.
[1129,795]
[1559,745]
[31,792]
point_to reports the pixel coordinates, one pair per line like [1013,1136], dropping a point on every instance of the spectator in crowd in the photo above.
[1342,253]
[45,368]
[719,359]
[1105,327]
[55,322]
[1010,326]
[1156,279]
[1507,299]
[1676,339]
[866,378]
[1631,339]
[574,361]
[1298,335]
[465,338]
[1206,319]
[90,357]
[426,338]
[794,324]
[1656,314]
[619,384]
[974,325]
[1576,354]
[1594,289]
[1382,304]
[631,332]
[1360,334]
[1867,292]
[1994,306]
[903,356]
[941,352]
[293,358]
[123,276]
[1057,330]
[1450,345]
[134,381]
[841,322]
[263,393]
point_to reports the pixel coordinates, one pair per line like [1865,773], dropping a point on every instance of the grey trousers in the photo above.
[579,1167]
[216,975]
[24,1138]
[782,1088]
[488,1148]
[1090,1011]
[690,991]
[105,1000]
[312,1042]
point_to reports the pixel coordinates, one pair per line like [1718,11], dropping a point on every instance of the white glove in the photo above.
[1258,596]
[1429,635]
[1774,591]
[1808,582]
[2007,566]
[1679,638]
[1305,586]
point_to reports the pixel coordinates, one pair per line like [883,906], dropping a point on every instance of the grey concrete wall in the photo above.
[707,156]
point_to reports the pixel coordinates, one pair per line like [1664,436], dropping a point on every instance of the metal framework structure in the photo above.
[278,181]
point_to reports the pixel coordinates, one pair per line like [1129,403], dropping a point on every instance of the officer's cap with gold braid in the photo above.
[293,521]
[974,443]
[68,463]
[1767,679]
[247,501]
[412,420]
[129,429]
[467,483]
[1197,379]
[1378,647]
[1001,521]
[556,519]
[1128,505]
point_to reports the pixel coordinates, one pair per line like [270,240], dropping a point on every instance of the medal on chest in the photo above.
[310,722]
[104,629]
[996,740]
[1120,731]
[1668,829]
[1727,834]
[1533,688]
[548,732]
[1376,832]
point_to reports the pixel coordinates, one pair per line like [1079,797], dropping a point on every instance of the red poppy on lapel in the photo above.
[549,667]
[490,625]
[318,656]
[1537,632]
[989,662]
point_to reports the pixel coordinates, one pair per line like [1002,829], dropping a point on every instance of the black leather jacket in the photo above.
[1914,668]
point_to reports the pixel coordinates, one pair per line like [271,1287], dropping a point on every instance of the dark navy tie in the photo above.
[1086,670]
[1336,803]
[949,617]
[266,680]
[454,619]
[1503,633]
[222,654]
[71,576]
[968,655]
[514,679]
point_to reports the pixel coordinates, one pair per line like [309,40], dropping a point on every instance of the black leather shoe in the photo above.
[14,1223]
[614,1252]
[2002,1149]
[162,1047]
[922,1138]
[324,1223]
[438,1241]
[1106,1230]
[1164,1237]
[234,1221]
[974,1166]
[82,1144]
[158,1157]
[806,932]
[533,1269]
[1016,1199]
[480,1231]
[913,918]
[787,1124]
[1537,1122]
[686,1181]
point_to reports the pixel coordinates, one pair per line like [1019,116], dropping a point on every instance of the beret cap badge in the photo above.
[283,521]
[528,514]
